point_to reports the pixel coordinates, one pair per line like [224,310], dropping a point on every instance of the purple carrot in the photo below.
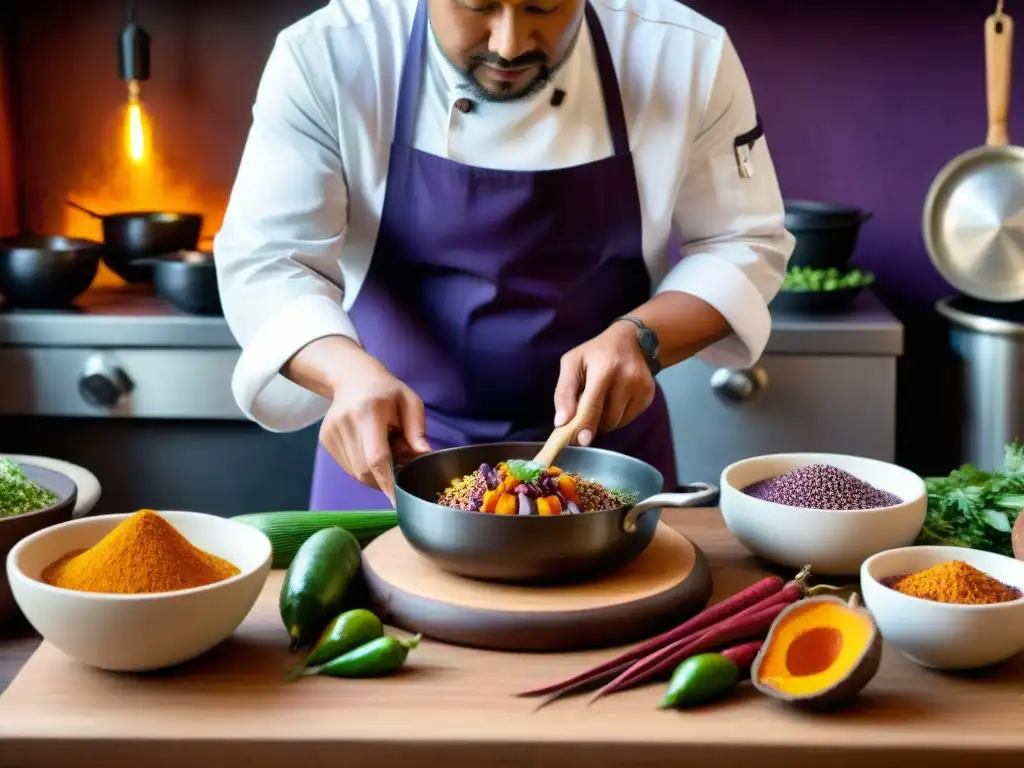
[752,596]
[739,627]
[743,655]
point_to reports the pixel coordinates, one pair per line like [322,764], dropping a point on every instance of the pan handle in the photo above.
[998,60]
[72,204]
[702,492]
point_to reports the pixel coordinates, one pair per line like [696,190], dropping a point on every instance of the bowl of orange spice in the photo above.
[140,591]
[947,607]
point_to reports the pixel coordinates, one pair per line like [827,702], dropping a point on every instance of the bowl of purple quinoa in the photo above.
[828,511]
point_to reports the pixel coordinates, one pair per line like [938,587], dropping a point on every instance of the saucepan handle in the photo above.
[702,492]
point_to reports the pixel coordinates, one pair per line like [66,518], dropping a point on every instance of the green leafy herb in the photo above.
[526,471]
[809,279]
[976,508]
[18,494]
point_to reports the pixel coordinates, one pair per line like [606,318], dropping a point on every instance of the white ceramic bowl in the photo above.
[139,632]
[832,542]
[943,635]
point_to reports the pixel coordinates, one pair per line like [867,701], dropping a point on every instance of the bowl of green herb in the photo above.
[806,290]
[31,498]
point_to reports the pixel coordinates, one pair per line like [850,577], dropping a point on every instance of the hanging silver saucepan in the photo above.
[974,213]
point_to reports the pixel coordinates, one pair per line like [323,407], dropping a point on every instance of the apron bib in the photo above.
[482,279]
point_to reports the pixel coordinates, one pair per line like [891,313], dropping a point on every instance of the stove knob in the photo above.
[103,383]
[739,387]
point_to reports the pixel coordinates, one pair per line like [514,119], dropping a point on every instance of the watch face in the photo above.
[648,342]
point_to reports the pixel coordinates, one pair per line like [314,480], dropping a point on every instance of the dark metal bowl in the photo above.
[39,271]
[826,233]
[187,279]
[130,236]
[533,549]
[14,529]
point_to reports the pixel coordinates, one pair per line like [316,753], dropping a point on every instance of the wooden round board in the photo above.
[667,583]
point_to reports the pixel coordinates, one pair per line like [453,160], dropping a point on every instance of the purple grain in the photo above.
[821,486]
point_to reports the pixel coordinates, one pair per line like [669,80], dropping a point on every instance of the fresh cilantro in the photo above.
[976,508]
[526,471]
[18,494]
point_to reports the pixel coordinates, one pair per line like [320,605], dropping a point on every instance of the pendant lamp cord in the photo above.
[999,9]
[131,10]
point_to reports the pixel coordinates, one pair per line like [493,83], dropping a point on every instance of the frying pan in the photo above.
[533,549]
[130,236]
[970,227]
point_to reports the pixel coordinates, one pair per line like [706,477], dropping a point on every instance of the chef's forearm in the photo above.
[320,365]
[685,324]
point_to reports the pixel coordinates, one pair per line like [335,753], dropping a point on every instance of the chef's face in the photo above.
[507,48]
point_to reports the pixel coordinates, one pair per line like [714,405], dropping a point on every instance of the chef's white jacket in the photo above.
[299,230]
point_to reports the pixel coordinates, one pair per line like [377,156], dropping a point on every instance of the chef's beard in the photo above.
[506,92]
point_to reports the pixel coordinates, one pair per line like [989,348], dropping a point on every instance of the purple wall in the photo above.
[864,102]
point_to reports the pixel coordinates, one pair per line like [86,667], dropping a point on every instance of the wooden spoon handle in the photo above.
[560,437]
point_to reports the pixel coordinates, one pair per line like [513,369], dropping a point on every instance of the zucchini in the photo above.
[288,531]
[317,582]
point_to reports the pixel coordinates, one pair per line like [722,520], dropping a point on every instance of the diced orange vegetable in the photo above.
[508,504]
[510,484]
[568,488]
[490,502]
[548,506]
[554,471]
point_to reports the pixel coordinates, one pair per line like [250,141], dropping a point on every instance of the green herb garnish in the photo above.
[18,494]
[811,280]
[975,508]
[526,471]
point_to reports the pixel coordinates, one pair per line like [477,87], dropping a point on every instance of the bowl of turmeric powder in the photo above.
[947,607]
[141,591]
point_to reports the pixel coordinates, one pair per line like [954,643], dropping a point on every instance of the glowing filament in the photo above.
[135,126]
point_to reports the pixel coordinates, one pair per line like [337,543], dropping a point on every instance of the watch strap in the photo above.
[648,341]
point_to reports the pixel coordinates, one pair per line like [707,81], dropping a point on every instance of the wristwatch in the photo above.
[648,341]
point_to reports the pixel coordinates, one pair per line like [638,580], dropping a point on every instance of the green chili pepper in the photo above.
[345,633]
[699,680]
[373,659]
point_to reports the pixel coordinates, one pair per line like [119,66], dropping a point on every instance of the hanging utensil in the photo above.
[973,220]
[129,236]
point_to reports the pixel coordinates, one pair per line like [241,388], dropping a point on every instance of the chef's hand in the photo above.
[607,379]
[373,417]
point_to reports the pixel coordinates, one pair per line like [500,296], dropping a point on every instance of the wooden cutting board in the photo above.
[668,582]
[453,707]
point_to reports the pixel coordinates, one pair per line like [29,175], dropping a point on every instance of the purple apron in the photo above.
[482,279]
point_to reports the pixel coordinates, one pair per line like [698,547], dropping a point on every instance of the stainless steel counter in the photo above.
[120,319]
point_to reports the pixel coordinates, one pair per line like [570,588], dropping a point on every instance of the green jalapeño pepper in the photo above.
[346,632]
[373,659]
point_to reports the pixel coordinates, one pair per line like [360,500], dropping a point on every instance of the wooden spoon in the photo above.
[560,437]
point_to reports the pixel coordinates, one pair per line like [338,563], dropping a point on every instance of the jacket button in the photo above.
[465,106]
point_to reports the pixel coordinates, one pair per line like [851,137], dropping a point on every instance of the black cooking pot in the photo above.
[128,237]
[826,233]
[187,279]
[533,549]
[39,271]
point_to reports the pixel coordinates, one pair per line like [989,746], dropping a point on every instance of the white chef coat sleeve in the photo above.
[279,249]
[733,242]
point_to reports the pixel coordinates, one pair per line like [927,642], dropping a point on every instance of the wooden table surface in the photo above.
[453,707]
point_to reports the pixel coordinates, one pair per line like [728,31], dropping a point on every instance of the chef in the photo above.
[451,225]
